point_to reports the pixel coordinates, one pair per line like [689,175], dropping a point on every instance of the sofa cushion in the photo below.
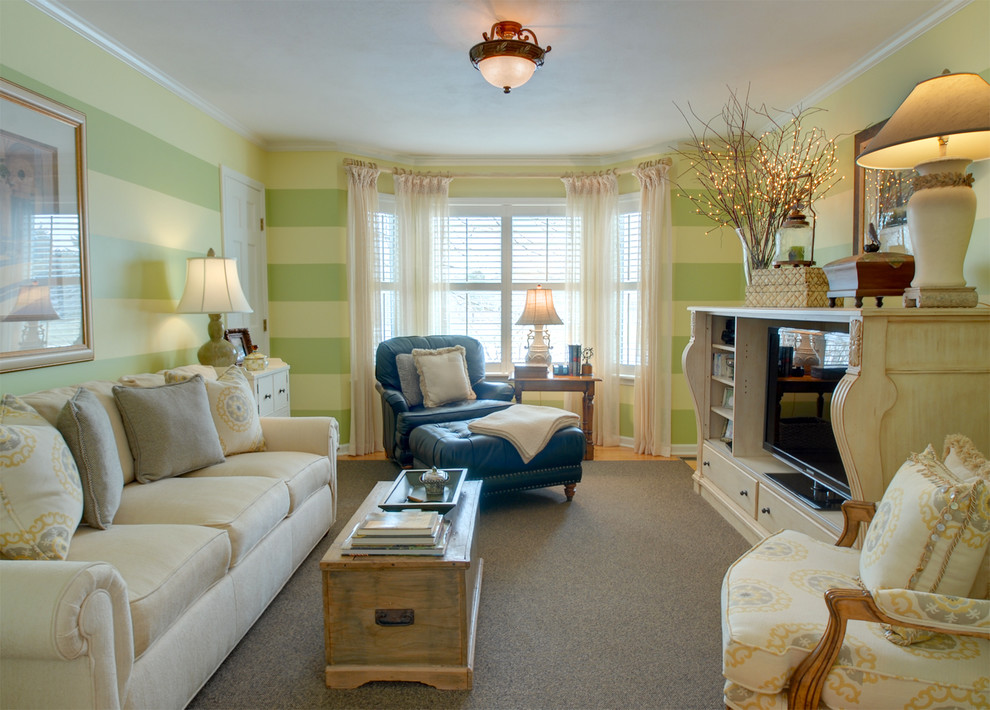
[930,531]
[49,404]
[443,375]
[169,428]
[773,615]
[247,508]
[40,494]
[233,407]
[409,379]
[166,567]
[87,430]
[303,473]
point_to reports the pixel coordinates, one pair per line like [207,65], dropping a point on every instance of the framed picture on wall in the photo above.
[240,338]
[880,199]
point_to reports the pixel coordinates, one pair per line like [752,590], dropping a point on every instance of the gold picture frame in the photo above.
[45,303]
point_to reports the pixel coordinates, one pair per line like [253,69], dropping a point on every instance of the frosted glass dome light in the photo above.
[507,59]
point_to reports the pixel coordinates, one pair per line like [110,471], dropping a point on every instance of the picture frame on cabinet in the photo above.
[240,338]
[880,198]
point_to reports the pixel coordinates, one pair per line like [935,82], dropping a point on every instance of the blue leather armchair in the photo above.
[399,418]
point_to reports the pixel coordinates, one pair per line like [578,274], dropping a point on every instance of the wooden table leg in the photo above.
[587,421]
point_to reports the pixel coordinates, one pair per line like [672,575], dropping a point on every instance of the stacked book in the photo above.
[405,532]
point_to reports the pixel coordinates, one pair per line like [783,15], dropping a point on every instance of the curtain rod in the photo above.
[542,176]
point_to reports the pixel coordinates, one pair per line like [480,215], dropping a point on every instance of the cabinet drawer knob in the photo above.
[268,396]
[282,391]
[706,463]
[744,492]
[765,511]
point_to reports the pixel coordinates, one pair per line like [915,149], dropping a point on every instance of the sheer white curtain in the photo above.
[421,211]
[651,392]
[365,305]
[592,288]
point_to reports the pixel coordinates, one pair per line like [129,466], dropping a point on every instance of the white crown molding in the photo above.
[68,18]
[940,13]
[71,20]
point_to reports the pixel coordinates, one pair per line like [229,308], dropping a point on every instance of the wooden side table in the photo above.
[566,383]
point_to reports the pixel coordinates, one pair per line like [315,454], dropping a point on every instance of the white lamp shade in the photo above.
[34,303]
[506,70]
[212,286]
[539,308]
[955,107]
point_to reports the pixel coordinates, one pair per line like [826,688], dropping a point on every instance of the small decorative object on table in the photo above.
[409,491]
[586,367]
[256,361]
[434,480]
[573,359]
[872,274]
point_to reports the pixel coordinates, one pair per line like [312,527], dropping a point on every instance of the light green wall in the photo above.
[154,199]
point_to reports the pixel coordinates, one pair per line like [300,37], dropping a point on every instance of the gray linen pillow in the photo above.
[409,379]
[86,428]
[169,428]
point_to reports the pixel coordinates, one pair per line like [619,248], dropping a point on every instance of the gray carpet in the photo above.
[610,601]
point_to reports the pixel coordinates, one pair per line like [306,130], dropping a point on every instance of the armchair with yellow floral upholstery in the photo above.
[902,623]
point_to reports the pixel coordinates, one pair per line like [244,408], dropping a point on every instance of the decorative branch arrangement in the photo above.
[750,181]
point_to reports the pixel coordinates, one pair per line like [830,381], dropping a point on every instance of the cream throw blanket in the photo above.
[526,426]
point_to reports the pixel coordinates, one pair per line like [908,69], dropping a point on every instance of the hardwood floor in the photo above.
[602,453]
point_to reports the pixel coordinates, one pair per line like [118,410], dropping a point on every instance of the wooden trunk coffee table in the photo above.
[400,617]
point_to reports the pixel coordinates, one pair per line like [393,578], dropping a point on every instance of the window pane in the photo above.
[629,247]
[474,253]
[389,315]
[478,314]
[538,247]
[629,327]
[386,248]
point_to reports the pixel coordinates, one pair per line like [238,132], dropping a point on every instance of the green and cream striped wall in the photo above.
[154,184]
[154,195]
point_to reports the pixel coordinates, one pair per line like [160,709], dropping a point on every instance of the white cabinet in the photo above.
[914,376]
[271,389]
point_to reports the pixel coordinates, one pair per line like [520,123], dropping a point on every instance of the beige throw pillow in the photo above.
[233,408]
[443,375]
[88,432]
[929,534]
[40,497]
[169,428]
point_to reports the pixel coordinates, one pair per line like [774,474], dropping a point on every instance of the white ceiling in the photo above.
[392,78]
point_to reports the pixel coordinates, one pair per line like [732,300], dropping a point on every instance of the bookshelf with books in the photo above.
[722,390]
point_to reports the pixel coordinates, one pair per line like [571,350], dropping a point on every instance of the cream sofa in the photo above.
[142,613]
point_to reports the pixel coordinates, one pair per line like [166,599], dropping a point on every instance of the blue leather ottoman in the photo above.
[495,462]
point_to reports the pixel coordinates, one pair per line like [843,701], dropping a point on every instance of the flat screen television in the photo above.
[805,443]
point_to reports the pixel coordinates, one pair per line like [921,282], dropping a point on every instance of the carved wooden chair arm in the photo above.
[854,513]
[844,605]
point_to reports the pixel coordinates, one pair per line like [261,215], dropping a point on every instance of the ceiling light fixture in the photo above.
[509,57]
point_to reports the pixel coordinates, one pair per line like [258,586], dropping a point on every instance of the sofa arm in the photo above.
[487,389]
[393,398]
[65,635]
[314,435]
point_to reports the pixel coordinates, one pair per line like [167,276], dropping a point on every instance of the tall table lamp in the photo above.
[539,312]
[213,287]
[942,126]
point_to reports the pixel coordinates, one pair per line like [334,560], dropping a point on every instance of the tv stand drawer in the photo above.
[777,512]
[738,486]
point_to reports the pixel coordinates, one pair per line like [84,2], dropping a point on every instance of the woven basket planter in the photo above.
[788,287]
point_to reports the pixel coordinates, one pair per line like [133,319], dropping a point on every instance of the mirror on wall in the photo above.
[44,267]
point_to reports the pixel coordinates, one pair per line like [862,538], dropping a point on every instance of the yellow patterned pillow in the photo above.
[40,493]
[963,458]
[930,531]
[234,410]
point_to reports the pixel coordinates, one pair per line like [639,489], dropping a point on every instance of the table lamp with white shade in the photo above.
[213,287]
[942,126]
[539,312]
